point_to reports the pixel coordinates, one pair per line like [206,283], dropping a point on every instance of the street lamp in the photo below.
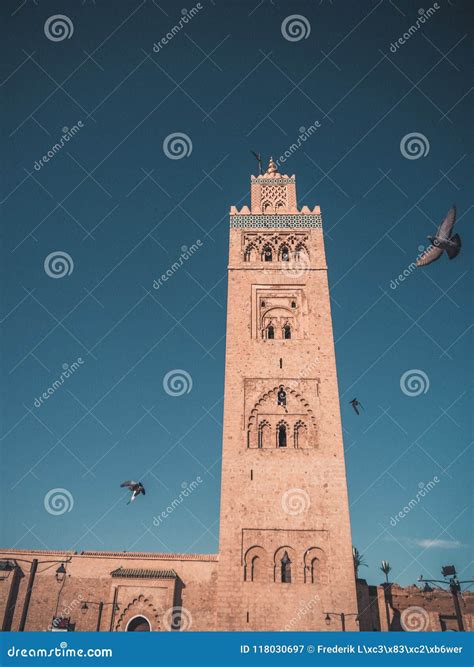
[61,573]
[6,566]
[454,586]
[448,571]
[341,615]
[85,608]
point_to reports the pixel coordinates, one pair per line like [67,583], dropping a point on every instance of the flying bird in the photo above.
[135,487]
[356,404]
[442,241]
[258,157]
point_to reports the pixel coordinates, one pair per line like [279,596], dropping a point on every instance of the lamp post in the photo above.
[341,615]
[29,590]
[85,607]
[60,577]
[454,586]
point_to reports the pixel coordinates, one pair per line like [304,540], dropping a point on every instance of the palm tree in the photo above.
[358,559]
[386,568]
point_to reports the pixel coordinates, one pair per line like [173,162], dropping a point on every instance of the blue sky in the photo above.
[122,210]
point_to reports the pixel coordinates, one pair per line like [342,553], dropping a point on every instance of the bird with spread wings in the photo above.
[135,487]
[443,240]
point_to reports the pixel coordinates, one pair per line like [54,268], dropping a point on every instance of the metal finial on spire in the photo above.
[272,168]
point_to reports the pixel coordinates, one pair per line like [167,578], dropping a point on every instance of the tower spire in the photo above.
[272,168]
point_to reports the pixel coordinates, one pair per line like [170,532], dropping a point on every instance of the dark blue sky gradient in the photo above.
[232,83]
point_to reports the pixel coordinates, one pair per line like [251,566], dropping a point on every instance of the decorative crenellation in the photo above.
[291,221]
[272,194]
[284,180]
[142,555]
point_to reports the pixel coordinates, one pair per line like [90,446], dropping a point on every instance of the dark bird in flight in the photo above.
[258,157]
[442,241]
[135,487]
[356,404]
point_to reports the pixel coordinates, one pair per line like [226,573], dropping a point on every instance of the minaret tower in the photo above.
[285,541]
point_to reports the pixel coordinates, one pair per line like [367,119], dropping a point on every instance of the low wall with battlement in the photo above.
[172,591]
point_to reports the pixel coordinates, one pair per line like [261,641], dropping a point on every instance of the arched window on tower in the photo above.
[263,435]
[300,434]
[300,253]
[267,254]
[287,332]
[285,254]
[285,569]
[255,569]
[314,560]
[281,433]
[281,397]
[250,254]
[270,331]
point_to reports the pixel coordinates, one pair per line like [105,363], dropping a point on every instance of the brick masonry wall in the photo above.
[384,607]
[255,481]
[89,579]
